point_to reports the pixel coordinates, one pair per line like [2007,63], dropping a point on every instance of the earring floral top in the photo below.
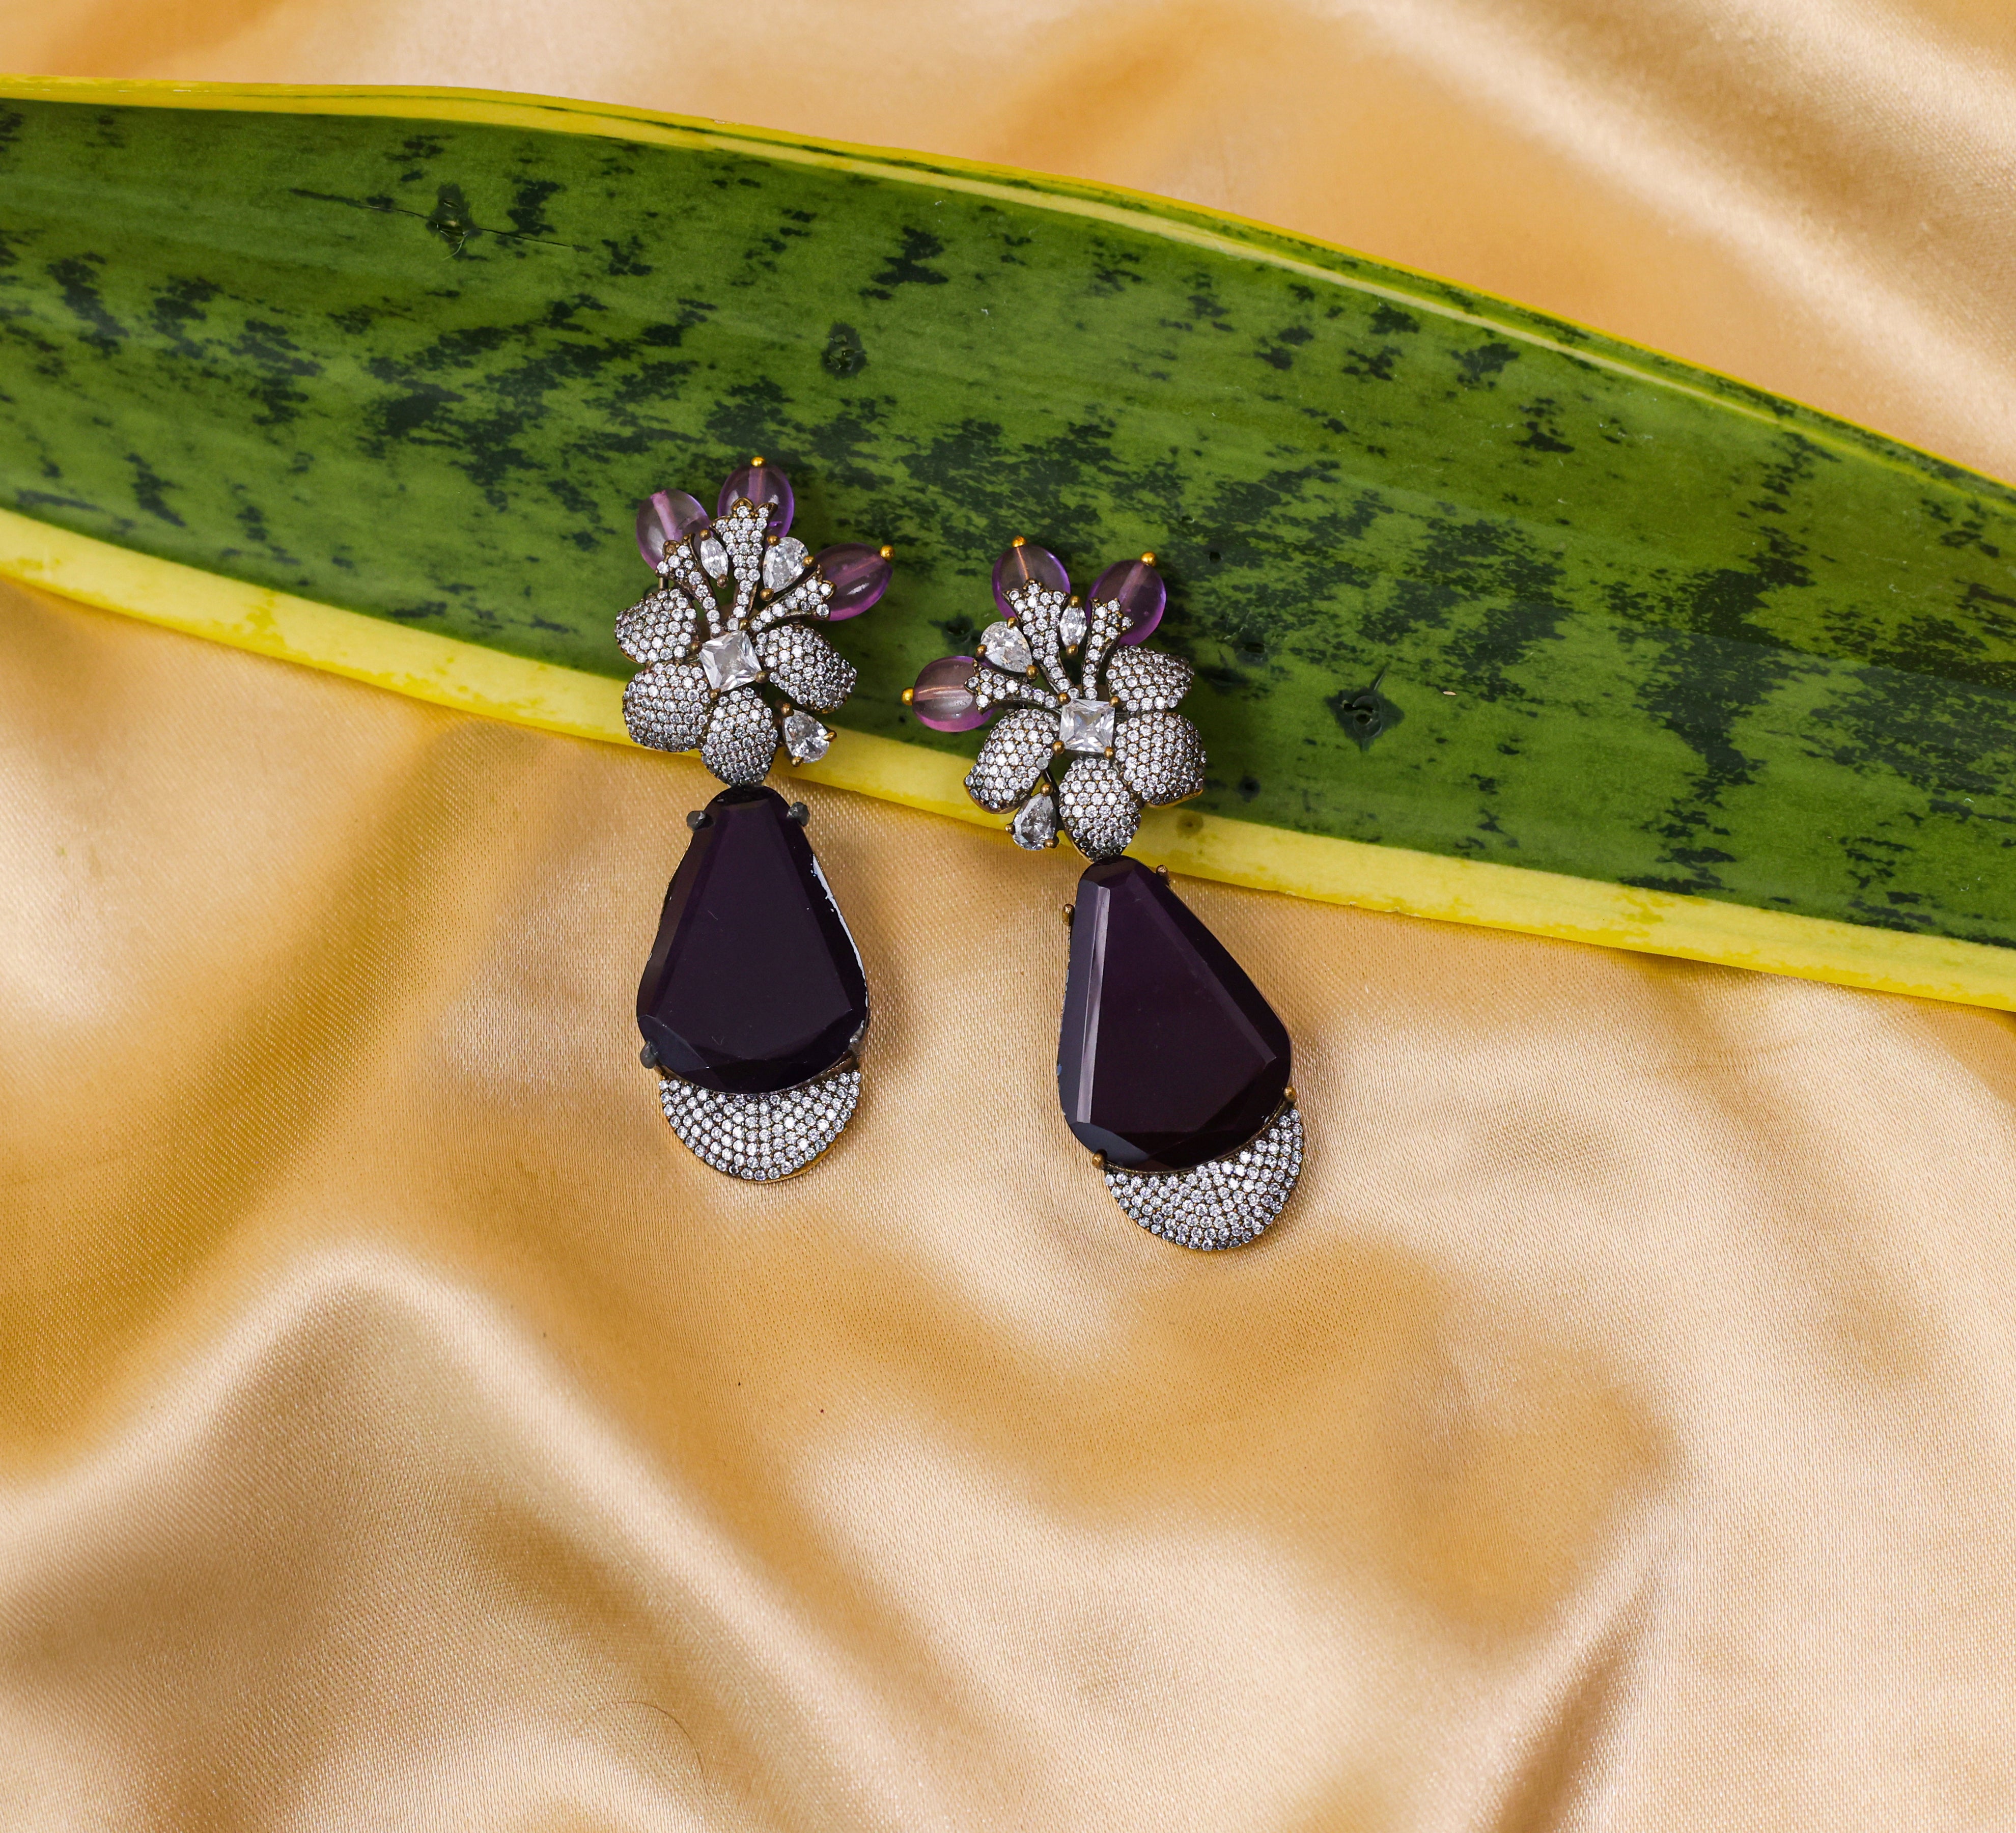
[1093,735]
[732,612]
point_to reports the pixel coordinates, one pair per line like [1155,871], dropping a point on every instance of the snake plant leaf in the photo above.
[1457,578]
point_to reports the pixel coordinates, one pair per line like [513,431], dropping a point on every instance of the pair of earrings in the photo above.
[1172,1069]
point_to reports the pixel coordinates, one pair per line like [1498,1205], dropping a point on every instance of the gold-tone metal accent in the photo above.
[1019,541]
[1162,873]
[1287,1100]
[888,553]
[757,459]
[1070,915]
[1148,559]
[909,695]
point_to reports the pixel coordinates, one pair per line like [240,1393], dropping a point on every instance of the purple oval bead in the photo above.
[858,574]
[663,516]
[941,699]
[1142,594]
[762,483]
[1026,565]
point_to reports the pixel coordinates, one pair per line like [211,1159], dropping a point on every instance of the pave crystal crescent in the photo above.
[1173,1068]
[753,1005]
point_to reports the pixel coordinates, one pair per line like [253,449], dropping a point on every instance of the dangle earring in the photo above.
[1172,1068]
[753,1004]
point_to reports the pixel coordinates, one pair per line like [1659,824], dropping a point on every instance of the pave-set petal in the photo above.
[807,599]
[805,666]
[1099,811]
[1015,754]
[741,737]
[1160,756]
[1039,617]
[741,533]
[989,687]
[666,705]
[659,627]
[1148,679]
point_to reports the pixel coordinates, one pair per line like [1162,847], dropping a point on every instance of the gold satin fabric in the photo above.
[398,1430]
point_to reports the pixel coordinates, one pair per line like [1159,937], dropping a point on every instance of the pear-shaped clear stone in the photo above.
[1035,824]
[1005,647]
[784,562]
[1084,726]
[805,738]
[1071,626]
[713,556]
[730,662]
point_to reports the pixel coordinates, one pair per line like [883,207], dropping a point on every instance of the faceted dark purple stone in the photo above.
[762,483]
[663,516]
[1142,594]
[1024,565]
[1169,1055]
[753,984]
[859,575]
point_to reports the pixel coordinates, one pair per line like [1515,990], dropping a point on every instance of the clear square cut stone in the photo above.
[729,661]
[1085,726]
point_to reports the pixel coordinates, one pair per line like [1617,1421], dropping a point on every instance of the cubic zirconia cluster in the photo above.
[753,1004]
[703,660]
[1171,1066]
[761,1137]
[1223,1202]
[1127,746]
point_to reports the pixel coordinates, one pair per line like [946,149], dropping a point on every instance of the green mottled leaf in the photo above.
[1636,623]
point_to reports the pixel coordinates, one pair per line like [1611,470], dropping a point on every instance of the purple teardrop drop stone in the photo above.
[753,984]
[1023,566]
[1168,1054]
[667,515]
[762,483]
[941,699]
[1142,594]
[858,574]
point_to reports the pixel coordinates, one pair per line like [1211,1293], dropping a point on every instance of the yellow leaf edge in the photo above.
[471,679]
